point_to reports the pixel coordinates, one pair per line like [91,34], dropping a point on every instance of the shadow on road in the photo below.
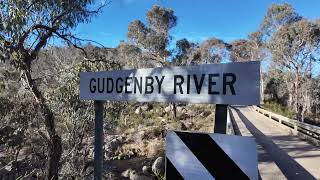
[289,167]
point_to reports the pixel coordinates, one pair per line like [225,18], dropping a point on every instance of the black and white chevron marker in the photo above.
[200,156]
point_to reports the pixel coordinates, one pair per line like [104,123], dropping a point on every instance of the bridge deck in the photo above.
[283,155]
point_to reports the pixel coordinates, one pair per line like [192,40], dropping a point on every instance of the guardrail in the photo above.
[230,129]
[307,131]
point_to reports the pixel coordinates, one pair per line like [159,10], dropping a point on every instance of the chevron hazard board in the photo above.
[200,156]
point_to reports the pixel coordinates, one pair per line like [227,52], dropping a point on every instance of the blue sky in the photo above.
[197,20]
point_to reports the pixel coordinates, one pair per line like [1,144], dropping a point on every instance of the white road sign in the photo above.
[230,83]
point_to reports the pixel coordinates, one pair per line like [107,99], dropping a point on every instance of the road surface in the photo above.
[281,154]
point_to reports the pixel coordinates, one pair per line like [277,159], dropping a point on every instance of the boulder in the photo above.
[127,173]
[146,107]
[167,109]
[189,125]
[205,113]
[158,166]
[146,170]
[138,110]
[181,110]
[135,176]
[183,126]
[112,145]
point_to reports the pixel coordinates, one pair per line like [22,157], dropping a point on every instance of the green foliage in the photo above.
[155,37]
[279,109]
[212,50]
[278,15]
[251,49]
[295,45]
[65,100]
[26,26]
[183,48]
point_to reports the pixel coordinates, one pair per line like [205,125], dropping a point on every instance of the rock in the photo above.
[136,176]
[8,167]
[90,152]
[183,126]
[112,145]
[89,170]
[5,171]
[146,107]
[181,110]
[138,110]
[127,173]
[167,109]
[146,170]
[205,113]
[189,125]
[158,166]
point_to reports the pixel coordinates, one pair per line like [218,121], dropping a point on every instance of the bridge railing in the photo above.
[230,129]
[306,131]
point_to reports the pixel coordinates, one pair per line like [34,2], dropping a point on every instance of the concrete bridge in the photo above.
[286,149]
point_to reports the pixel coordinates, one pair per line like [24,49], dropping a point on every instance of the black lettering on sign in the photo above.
[149,84]
[100,85]
[198,84]
[229,83]
[109,85]
[176,83]
[92,87]
[211,83]
[119,87]
[127,84]
[137,84]
[159,83]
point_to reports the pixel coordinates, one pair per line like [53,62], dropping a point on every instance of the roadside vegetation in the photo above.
[46,131]
[279,109]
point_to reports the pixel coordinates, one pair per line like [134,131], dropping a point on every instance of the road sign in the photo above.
[230,83]
[193,156]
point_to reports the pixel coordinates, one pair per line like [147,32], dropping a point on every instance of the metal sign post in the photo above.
[221,124]
[98,140]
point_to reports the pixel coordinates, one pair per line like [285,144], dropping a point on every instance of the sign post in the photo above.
[98,140]
[220,122]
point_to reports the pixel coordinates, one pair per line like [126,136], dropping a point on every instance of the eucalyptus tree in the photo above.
[293,43]
[184,50]
[26,27]
[316,97]
[295,48]
[153,38]
[213,50]
[277,16]
[250,49]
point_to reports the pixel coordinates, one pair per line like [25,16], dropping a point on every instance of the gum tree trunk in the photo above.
[54,140]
